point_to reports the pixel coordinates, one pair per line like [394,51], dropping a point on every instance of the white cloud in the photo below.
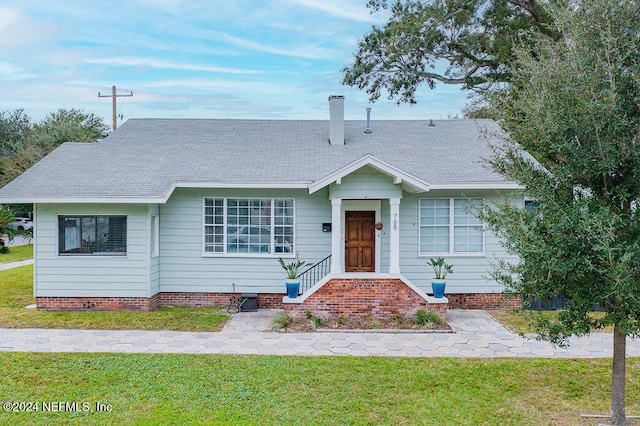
[18,29]
[340,9]
[222,85]
[306,52]
[154,63]
[9,71]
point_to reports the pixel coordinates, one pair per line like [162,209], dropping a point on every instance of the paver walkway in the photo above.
[477,335]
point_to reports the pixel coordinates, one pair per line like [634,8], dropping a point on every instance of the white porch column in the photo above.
[394,236]
[336,231]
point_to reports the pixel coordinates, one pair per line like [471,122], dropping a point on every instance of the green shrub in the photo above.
[399,319]
[317,322]
[424,317]
[283,321]
[308,314]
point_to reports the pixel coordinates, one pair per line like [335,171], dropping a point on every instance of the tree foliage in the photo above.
[15,127]
[6,217]
[575,105]
[465,42]
[23,143]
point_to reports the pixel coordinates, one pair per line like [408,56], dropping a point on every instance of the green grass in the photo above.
[16,292]
[273,390]
[17,253]
[519,321]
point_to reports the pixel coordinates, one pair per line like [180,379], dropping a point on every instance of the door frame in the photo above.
[361,205]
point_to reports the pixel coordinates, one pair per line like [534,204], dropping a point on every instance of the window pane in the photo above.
[251,225]
[434,239]
[92,235]
[436,227]
[467,239]
[464,211]
[214,235]
[427,212]
[283,236]
[530,205]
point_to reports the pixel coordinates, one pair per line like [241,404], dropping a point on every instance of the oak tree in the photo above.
[575,105]
[466,42]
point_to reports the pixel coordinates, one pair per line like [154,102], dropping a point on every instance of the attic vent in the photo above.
[368,129]
[431,123]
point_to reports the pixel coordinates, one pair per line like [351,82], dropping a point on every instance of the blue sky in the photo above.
[199,59]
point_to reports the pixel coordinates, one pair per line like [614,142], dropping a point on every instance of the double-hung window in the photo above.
[260,226]
[92,235]
[449,226]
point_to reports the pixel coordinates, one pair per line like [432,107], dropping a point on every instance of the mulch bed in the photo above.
[304,325]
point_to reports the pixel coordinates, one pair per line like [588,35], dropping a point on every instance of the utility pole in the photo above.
[113,96]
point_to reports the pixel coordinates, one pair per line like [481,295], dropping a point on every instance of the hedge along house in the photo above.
[175,211]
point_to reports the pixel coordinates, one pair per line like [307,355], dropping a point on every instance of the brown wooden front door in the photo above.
[360,242]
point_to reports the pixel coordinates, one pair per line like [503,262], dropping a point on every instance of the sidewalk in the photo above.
[9,265]
[477,335]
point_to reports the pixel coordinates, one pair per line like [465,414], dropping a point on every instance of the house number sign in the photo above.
[395,221]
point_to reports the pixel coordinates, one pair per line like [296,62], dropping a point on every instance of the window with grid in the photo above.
[92,235]
[448,226]
[248,225]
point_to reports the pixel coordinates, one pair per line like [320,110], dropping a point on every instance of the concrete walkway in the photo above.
[9,265]
[476,335]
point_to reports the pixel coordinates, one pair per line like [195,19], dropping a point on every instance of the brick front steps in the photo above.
[356,297]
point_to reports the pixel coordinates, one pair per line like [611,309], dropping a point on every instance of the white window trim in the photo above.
[271,255]
[111,257]
[450,253]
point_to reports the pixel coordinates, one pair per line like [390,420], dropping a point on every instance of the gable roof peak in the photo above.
[409,182]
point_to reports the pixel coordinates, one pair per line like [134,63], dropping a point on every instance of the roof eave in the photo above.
[477,185]
[83,200]
[242,185]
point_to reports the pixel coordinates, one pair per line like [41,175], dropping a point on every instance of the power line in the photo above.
[113,96]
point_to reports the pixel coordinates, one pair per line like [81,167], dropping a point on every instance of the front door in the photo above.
[360,242]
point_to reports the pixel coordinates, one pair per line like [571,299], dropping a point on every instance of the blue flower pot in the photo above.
[438,287]
[293,288]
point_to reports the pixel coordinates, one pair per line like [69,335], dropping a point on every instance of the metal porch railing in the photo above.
[315,273]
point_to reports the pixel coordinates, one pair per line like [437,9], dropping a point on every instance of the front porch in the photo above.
[357,295]
[362,275]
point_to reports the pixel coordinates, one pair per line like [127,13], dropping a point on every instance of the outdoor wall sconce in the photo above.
[326,227]
[379,226]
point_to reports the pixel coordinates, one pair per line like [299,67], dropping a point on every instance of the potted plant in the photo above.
[292,281]
[441,269]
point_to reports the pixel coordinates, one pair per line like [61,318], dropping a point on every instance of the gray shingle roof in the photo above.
[146,157]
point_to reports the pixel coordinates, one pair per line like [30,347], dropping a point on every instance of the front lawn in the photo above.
[519,320]
[279,390]
[17,253]
[16,292]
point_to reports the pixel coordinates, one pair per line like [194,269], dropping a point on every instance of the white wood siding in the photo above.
[184,268]
[470,272]
[84,276]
